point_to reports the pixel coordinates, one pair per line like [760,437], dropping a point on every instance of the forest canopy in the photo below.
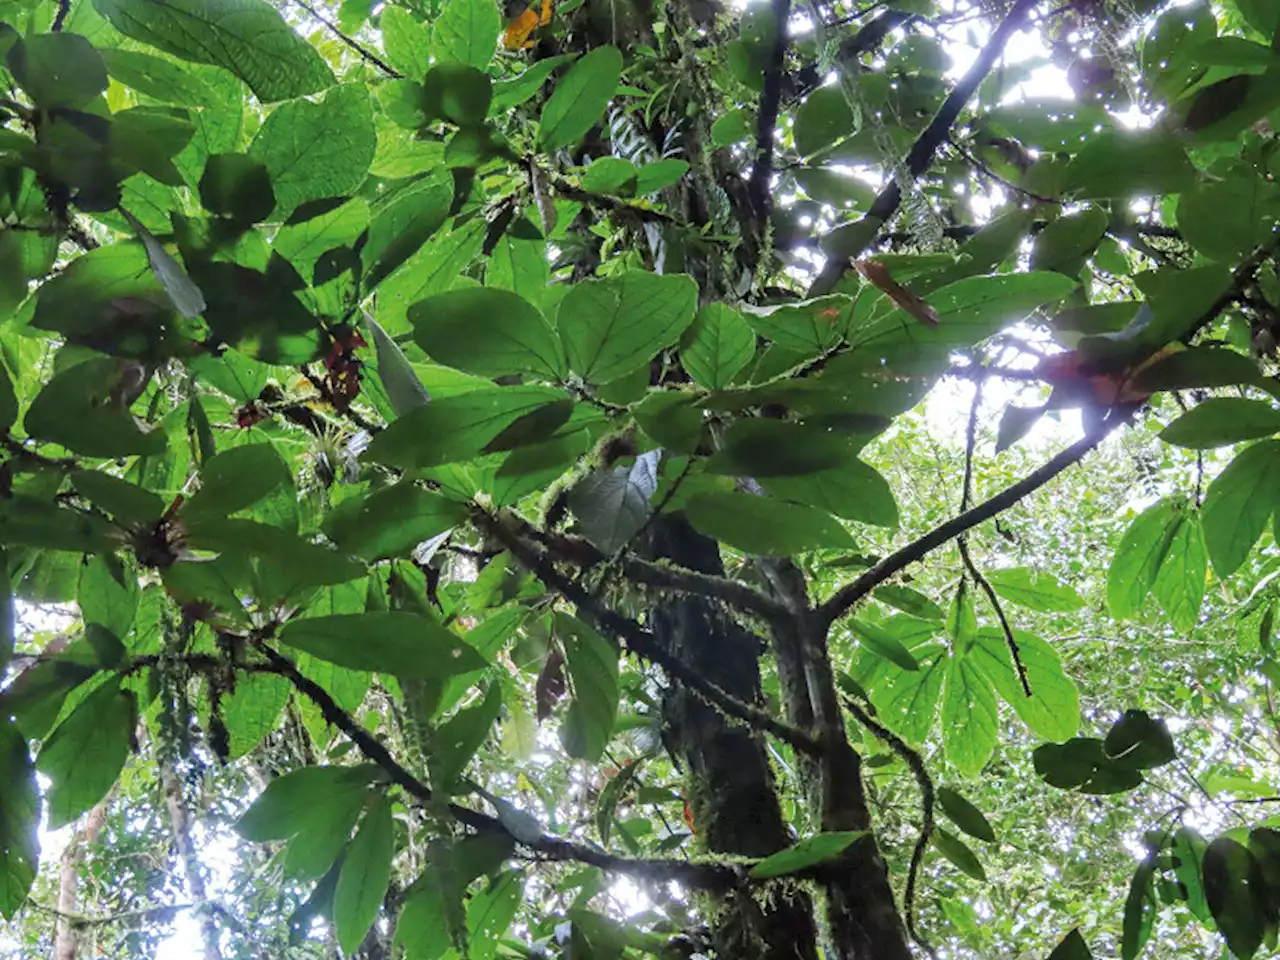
[766,480]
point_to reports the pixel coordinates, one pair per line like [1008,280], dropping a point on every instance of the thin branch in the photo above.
[962,541]
[367,55]
[639,641]
[759,186]
[915,763]
[986,171]
[610,204]
[16,448]
[358,419]
[922,151]
[705,876]
[918,549]
[64,11]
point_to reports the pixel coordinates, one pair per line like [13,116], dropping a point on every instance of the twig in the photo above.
[704,876]
[758,187]
[611,204]
[366,55]
[988,172]
[639,641]
[915,763]
[962,541]
[64,10]
[16,448]
[922,151]
[358,419]
[851,593]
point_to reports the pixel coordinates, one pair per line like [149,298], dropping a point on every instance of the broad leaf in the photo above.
[295,800]
[717,345]
[592,664]
[1053,709]
[19,819]
[1035,590]
[969,716]
[1239,503]
[764,525]
[84,754]
[965,815]
[393,642]
[613,505]
[487,332]
[808,852]
[1220,421]
[366,872]
[579,98]
[955,850]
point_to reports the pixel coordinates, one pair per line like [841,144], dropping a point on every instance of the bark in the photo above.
[729,783]
[66,940]
[180,822]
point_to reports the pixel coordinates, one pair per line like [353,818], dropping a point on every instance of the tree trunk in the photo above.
[180,822]
[729,784]
[66,939]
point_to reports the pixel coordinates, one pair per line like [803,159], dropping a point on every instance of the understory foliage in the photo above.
[606,479]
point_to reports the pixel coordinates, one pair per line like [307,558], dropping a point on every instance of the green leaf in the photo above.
[592,664]
[955,850]
[183,293]
[391,522]
[8,400]
[765,448]
[487,332]
[19,820]
[673,419]
[579,99]
[86,751]
[235,480]
[969,716]
[763,525]
[309,242]
[1180,584]
[1072,947]
[247,37]
[883,643]
[1035,590]
[607,804]
[35,523]
[659,175]
[452,429]
[57,69]
[105,600]
[717,346]
[517,90]
[854,491]
[294,801]
[907,700]
[808,852]
[1139,913]
[414,214]
[490,913]
[252,710]
[126,502]
[315,848]
[392,642]
[805,326]
[1065,243]
[402,383]
[157,77]
[822,119]
[1226,219]
[317,150]
[1139,742]
[611,175]
[458,93]
[1239,503]
[1186,852]
[965,815]
[908,601]
[613,505]
[466,32]
[1053,709]
[236,185]
[407,43]
[1236,893]
[1130,163]
[75,408]
[612,326]
[1138,559]
[1220,421]
[455,743]
[734,126]
[366,873]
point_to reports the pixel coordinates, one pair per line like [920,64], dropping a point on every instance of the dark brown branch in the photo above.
[60,19]
[918,549]
[922,151]
[358,419]
[915,763]
[759,186]
[638,640]
[703,876]
[367,55]
[962,541]
[986,171]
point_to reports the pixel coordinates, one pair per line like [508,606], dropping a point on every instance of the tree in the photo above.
[453,445]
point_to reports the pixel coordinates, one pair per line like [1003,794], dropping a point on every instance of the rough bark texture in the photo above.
[180,822]
[66,940]
[729,783]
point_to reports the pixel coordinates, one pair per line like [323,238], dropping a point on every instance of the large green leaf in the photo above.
[613,326]
[411,217]
[853,491]
[1053,709]
[1129,163]
[157,77]
[1236,892]
[1220,421]
[579,98]
[235,480]
[247,37]
[613,505]
[969,717]
[883,643]
[1035,590]
[19,820]
[466,32]
[392,521]
[716,346]
[965,815]
[1226,219]
[1239,503]
[392,642]
[592,663]
[366,872]
[1139,913]
[451,429]
[955,850]
[77,409]
[84,754]
[57,69]
[1138,559]
[765,448]
[809,851]
[295,800]
[764,525]
[456,741]
[407,42]
[1180,584]
[317,150]
[906,700]
[487,332]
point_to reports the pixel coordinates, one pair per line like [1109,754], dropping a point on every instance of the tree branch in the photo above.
[918,549]
[915,763]
[922,151]
[758,187]
[639,641]
[367,55]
